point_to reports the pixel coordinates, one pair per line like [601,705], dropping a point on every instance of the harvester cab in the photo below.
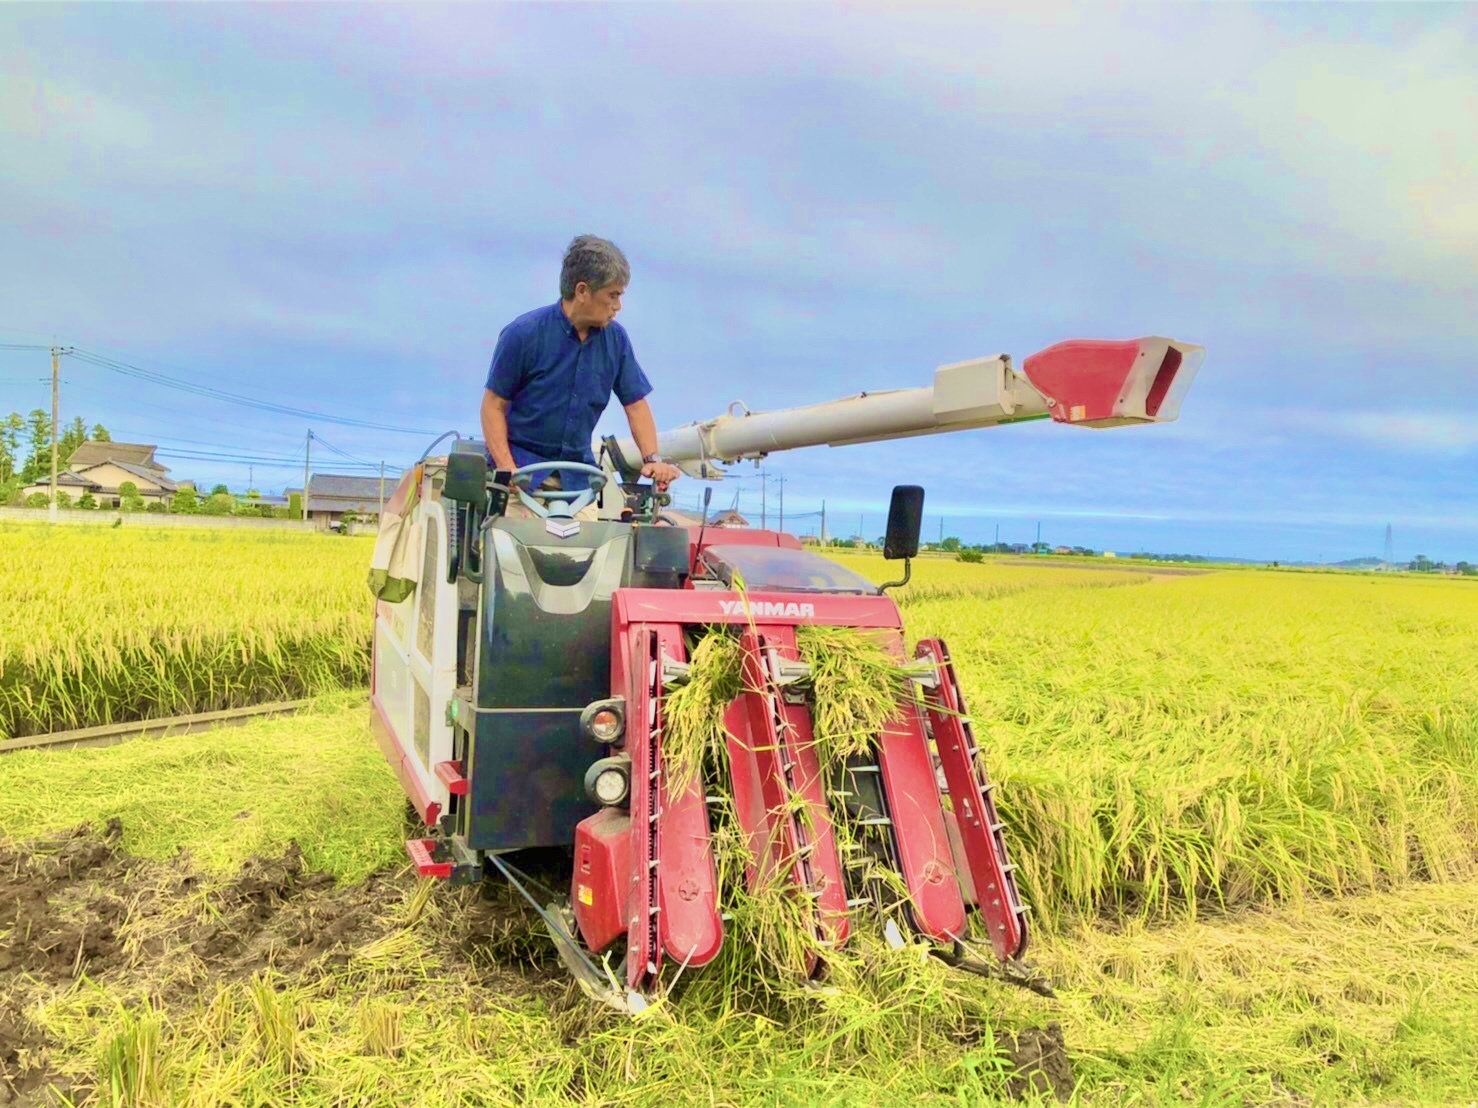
[523,669]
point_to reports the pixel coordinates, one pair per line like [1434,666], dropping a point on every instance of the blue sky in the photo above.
[339,207]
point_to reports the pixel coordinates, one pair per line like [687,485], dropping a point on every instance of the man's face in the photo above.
[601,306]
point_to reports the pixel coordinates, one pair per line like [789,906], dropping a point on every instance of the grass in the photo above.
[228,795]
[104,625]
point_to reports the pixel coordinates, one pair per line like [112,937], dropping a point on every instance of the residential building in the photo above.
[100,468]
[330,495]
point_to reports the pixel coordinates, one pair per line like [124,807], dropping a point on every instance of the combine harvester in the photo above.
[521,667]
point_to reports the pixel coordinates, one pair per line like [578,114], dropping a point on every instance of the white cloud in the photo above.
[1409,430]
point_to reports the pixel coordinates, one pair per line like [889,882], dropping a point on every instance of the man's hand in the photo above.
[661,473]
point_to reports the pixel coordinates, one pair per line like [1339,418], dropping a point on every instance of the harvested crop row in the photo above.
[107,625]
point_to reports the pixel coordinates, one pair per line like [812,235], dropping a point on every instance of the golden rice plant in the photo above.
[103,625]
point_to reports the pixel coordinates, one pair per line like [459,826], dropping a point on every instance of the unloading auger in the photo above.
[521,669]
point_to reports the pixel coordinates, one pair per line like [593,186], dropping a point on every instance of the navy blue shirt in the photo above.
[557,386]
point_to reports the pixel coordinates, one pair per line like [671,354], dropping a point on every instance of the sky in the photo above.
[337,208]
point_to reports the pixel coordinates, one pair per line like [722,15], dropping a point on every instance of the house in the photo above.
[330,495]
[728,518]
[1062,550]
[100,468]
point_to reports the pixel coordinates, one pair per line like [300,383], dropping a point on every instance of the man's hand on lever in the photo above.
[661,473]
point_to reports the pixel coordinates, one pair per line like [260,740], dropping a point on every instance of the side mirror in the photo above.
[466,474]
[905,521]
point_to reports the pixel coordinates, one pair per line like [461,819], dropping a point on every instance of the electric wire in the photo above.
[165,380]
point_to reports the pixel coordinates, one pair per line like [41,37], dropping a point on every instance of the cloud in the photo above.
[1407,430]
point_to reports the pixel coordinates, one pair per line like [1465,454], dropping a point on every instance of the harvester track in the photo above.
[114,733]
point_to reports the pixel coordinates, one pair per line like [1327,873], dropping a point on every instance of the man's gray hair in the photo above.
[596,262]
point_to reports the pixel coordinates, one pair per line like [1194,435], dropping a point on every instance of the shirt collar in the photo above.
[564,320]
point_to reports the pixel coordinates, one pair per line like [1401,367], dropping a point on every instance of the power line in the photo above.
[210,392]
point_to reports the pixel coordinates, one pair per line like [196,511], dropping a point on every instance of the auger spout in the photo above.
[1085,382]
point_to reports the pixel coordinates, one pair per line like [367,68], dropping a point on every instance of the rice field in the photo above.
[102,625]
[1245,807]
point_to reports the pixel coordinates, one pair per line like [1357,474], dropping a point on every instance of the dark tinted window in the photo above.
[773,569]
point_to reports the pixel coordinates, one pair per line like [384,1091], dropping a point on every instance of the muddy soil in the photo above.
[77,904]
[1040,1055]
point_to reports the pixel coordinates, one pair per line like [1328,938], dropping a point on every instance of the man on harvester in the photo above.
[554,370]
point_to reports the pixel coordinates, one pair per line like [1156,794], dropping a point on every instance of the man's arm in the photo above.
[644,431]
[495,429]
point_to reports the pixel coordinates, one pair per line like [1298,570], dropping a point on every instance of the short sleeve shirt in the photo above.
[557,387]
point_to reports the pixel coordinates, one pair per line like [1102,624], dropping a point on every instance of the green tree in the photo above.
[63,500]
[38,461]
[952,544]
[10,444]
[100,433]
[1467,569]
[219,489]
[295,506]
[73,436]
[971,556]
[87,501]
[218,504]
[37,500]
[155,506]
[128,492]
[185,501]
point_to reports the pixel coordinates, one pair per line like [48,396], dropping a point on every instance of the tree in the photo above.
[220,489]
[10,445]
[1421,564]
[218,504]
[87,501]
[185,501]
[155,506]
[100,433]
[295,506]
[128,492]
[952,544]
[1467,569]
[63,500]
[38,461]
[37,500]
[971,556]
[73,436]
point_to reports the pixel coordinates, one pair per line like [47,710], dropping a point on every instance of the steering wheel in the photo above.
[556,503]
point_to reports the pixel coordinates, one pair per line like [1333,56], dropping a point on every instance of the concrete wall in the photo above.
[148,519]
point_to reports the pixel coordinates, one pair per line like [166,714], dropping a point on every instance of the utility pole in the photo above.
[382,492]
[56,393]
[823,523]
[781,479]
[860,532]
[941,529]
[251,477]
[307,456]
[1038,548]
[998,538]
[764,512]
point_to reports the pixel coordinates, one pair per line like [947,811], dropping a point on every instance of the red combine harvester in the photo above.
[521,668]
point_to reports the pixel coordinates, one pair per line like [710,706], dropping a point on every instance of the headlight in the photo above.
[604,720]
[608,781]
